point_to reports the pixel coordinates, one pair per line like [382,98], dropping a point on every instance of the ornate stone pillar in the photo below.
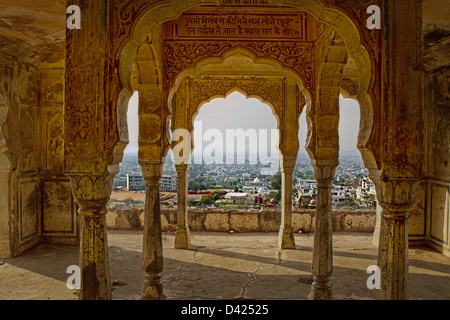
[396,197]
[286,237]
[402,142]
[92,194]
[322,264]
[152,252]
[182,236]
[288,145]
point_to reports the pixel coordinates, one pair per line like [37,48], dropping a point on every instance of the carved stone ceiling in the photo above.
[30,27]
[436,25]
[40,24]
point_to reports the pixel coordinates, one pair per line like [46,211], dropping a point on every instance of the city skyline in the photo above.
[240,114]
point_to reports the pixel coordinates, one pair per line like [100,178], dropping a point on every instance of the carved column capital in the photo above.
[324,172]
[396,193]
[92,192]
[287,163]
[152,172]
[182,168]
[396,197]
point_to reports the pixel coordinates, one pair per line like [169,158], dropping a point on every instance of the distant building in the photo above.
[236,198]
[254,184]
[135,182]
[168,183]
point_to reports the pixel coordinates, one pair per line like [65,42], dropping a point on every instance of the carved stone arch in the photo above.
[273,72]
[323,118]
[215,65]
[203,91]
[153,111]
[144,16]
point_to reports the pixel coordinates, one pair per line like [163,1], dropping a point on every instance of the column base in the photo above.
[94,259]
[153,289]
[321,290]
[286,239]
[182,238]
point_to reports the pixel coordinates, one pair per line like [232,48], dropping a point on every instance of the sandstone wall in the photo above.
[219,220]
[36,203]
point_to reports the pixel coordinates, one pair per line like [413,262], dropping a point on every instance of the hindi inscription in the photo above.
[240,26]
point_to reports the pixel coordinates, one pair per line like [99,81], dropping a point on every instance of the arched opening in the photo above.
[235,151]
[129,186]
[351,171]
[333,17]
[354,190]
[340,22]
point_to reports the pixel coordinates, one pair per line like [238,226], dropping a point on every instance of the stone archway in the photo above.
[267,80]
[129,27]
[144,17]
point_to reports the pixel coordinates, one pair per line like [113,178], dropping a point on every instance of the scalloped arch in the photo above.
[162,11]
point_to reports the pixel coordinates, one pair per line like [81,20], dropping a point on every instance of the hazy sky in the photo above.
[237,112]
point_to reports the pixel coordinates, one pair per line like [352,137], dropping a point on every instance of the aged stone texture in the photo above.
[286,53]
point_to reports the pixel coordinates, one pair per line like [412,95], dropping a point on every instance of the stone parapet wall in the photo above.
[222,220]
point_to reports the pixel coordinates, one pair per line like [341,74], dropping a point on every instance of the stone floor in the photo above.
[222,266]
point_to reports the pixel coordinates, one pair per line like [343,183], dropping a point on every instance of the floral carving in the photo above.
[350,86]
[203,89]
[181,55]
[294,55]
[127,11]
[184,54]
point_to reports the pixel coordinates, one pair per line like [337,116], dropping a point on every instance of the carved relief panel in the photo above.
[198,35]
[52,121]
[28,142]
[54,141]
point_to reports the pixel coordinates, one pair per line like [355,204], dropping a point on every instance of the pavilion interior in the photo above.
[64,96]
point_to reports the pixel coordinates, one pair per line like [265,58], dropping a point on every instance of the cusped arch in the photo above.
[224,81]
[162,11]
[224,95]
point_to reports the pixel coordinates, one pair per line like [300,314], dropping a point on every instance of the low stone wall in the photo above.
[221,220]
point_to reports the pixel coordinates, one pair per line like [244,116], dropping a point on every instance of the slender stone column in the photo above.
[396,197]
[286,237]
[152,255]
[322,264]
[92,194]
[393,252]
[182,236]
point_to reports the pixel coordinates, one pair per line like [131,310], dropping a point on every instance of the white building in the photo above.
[168,183]
[337,195]
[135,182]
[236,197]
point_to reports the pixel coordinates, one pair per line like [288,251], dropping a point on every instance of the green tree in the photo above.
[275,195]
[207,199]
[218,193]
[275,183]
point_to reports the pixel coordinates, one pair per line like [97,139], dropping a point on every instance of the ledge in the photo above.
[225,220]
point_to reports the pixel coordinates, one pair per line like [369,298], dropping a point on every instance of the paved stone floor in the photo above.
[222,266]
